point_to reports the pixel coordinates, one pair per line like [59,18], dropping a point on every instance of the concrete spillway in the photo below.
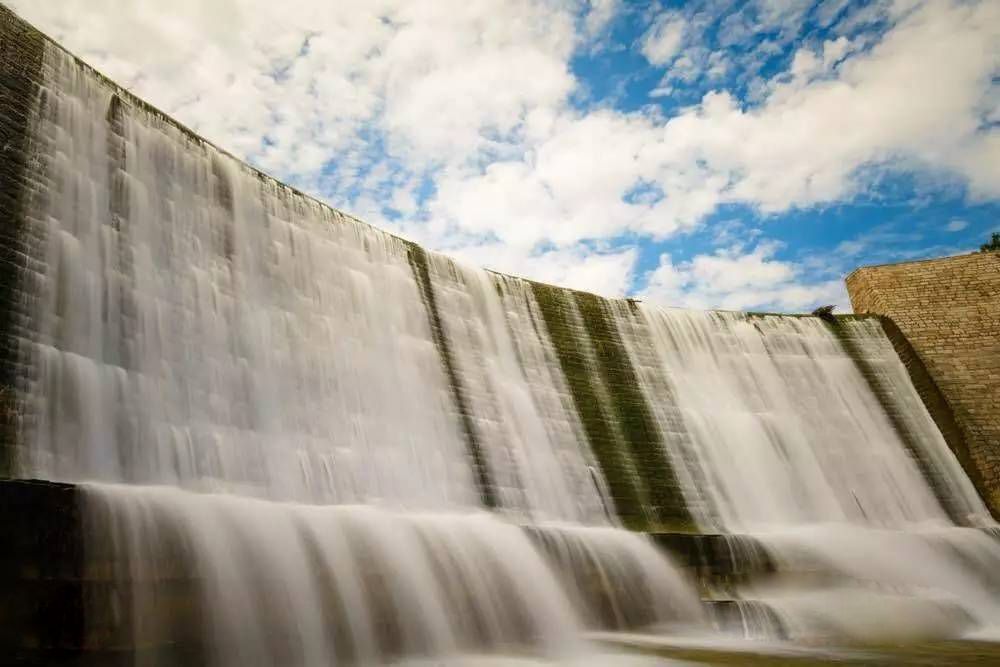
[297,439]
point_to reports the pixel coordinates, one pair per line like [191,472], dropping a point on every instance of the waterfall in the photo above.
[539,461]
[287,425]
[778,434]
[301,440]
[281,583]
[779,420]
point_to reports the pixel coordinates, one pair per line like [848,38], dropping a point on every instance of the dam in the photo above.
[243,428]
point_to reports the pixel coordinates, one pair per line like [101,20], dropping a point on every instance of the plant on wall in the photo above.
[993,245]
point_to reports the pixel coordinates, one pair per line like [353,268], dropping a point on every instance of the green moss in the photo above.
[635,419]
[629,495]
[616,419]
[627,491]
[421,272]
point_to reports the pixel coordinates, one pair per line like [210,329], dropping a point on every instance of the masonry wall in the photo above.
[948,309]
[21,48]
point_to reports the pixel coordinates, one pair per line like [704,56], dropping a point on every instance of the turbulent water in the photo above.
[304,440]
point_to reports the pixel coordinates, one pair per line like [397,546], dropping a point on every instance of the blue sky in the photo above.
[742,155]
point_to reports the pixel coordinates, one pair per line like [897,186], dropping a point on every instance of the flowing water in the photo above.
[791,447]
[305,441]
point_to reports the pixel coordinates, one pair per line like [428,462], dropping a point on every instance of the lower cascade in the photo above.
[298,440]
[245,581]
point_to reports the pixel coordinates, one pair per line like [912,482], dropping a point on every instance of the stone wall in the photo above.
[41,587]
[948,309]
[21,48]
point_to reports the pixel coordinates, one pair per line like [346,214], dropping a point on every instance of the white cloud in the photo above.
[600,15]
[449,100]
[956,225]
[572,185]
[580,267]
[836,113]
[881,244]
[828,10]
[732,279]
[367,101]
[663,40]
[292,91]
[805,143]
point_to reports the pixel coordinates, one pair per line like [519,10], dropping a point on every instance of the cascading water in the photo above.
[522,414]
[792,446]
[288,428]
[199,325]
[279,583]
[286,422]
[813,444]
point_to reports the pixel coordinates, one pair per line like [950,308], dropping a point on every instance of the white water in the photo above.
[786,429]
[254,582]
[159,358]
[277,469]
[524,417]
[791,445]
[282,583]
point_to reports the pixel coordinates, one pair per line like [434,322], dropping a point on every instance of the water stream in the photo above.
[302,440]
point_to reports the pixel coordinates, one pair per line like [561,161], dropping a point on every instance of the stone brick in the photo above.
[21,48]
[949,311]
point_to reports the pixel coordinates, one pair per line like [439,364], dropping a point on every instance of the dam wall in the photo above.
[239,423]
[128,242]
[128,239]
[948,311]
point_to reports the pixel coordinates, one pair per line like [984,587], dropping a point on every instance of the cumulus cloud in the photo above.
[731,279]
[663,40]
[588,177]
[824,124]
[607,272]
[600,14]
[293,91]
[454,122]
[833,114]
[956,225]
